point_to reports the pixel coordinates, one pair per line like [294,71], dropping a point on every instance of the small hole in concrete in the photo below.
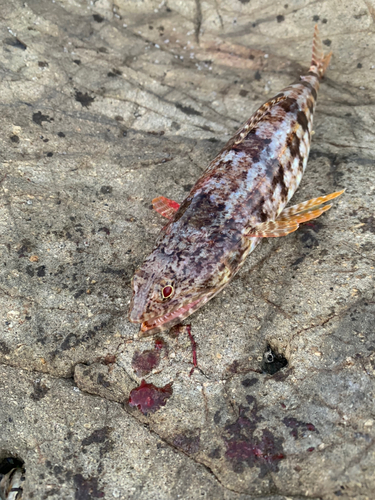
[272,362]
[12,476]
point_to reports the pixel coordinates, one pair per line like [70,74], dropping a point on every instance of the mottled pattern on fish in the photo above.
[235,203]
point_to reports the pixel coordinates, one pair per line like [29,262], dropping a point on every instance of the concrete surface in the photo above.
[107,105]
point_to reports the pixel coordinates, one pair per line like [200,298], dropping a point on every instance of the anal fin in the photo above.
[164,206]
[289,220]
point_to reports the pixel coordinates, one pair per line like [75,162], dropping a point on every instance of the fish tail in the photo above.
[319,61]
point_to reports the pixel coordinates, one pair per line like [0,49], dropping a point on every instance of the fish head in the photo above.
[171,285]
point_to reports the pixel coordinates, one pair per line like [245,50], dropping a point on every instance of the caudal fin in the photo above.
[319,61]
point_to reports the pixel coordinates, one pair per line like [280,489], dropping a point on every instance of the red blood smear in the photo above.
[159,344]
[310,427]
[194,349]
[148,398]
[311,449]
[144,362]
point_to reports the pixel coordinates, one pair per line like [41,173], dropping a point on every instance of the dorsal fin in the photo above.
[253,121]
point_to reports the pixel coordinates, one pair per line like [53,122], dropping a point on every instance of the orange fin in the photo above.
[164,206]
[273,229]
[307,205]
[319,62]
[291,217]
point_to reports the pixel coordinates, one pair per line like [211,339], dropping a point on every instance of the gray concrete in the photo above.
[105,106]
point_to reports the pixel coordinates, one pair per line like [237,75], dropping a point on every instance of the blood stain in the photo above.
[295,424]
[144,362]
[148,398]
[244,447]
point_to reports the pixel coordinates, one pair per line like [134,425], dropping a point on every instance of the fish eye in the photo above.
[167,292]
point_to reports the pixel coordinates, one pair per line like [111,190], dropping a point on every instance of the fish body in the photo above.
[237,201]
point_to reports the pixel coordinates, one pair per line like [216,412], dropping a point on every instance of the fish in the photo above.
[239,200]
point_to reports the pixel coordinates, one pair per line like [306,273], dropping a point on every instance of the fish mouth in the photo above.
[172,318]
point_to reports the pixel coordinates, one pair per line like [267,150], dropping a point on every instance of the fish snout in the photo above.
[136,313]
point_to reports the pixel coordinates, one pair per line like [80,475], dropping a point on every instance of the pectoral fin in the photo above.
[289,220]
[307,205]
[273,229]
[164,206]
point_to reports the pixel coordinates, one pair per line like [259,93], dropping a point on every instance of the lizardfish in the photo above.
[239,200]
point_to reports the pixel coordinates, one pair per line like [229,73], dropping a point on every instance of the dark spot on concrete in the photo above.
[69,342]
[86,489]
[215,453]
[324,21]
[315,18]
[327,42]
[84,99]
[114,73]
[15,42]
[106,189]
[105,230]
[118,272]
[41,271]
[359,65]
[298,261]
[188,443]
[257,76]
[14,138]
[188,110]
[43,64]
[77,61]
[307,237]
[217,417]
[39,118]
[248,382]
[61,134]
[40,390]
[98,436]
[272,361]
[244,1]
[78,294]
[49,154]
[280,19]
[30,270]
[4,348]
[243,93]
[369,224]
[98,18]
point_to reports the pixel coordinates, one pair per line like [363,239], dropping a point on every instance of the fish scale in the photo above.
[237,201]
